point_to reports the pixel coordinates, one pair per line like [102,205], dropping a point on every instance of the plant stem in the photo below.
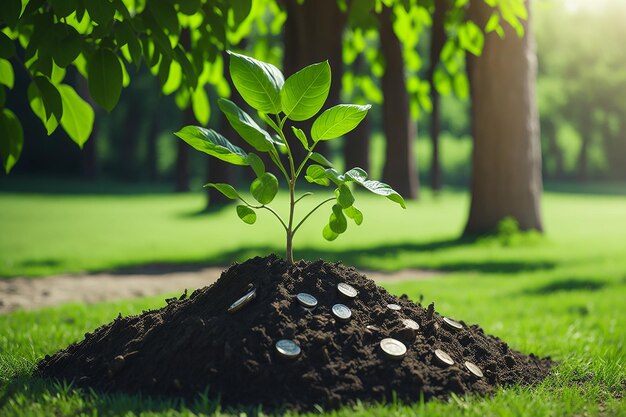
[311,212]
[292,186]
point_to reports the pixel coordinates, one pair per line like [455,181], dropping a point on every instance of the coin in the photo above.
[347,290]
[307,300]
[393,348]
[394,307]
[288,348]
[240,303]
[475,370]
[444,357]
[341,312]
[453,324]
[411,324]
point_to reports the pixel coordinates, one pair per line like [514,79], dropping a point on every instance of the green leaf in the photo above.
[337,221]
[214,144]
[188,69]
[357,174]
[471,38]
[125,35]
[264,188]
[246,214]
[6,73]
[70,46]
[165,15]
[200,105]
[338,121]
[105,78]
[63,8]
[245,125]
[344,196]
[189,7]
[10,11]
[259,83]
[321,159]
[256,163]
[241,10]
[306,91]
[37,105]
[226,189]
[355,214]
[316,174]
[11,139]
[50,96]
[301,137]
[100,11]
[7,46]
[329,234]
[78,116]
[334,176]
[376,187]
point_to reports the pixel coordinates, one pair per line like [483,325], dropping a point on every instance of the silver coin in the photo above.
[393,348]
[347,290]
[411,324]
[307,300]
[444,357]
[453,324]
[242,302]
[341,312]
[394,307]
[288,348]
[475,370]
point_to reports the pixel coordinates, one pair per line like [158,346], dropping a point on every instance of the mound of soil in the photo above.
[194,343]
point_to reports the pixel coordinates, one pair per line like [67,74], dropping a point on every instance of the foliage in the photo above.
[581,88]
[179,40]
[300,97]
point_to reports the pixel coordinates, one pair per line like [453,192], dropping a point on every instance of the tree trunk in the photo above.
[438,39]
[90,156]
[151,153]
[583,154]
[313,33]
[400,170]
[356,145]
[548,131]
[506,161]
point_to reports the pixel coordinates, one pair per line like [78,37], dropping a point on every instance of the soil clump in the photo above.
[194,344]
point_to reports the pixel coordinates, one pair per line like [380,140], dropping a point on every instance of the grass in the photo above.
[561,295]
[47,234]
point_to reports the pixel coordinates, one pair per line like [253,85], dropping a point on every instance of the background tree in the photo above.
[506,163]
[400,169]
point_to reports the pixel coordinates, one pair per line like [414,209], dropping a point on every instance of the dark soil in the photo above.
[194,343]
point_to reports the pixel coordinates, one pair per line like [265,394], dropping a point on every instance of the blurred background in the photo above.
[581,85]
[580,89]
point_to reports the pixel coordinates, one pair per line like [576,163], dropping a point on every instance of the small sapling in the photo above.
[300,97]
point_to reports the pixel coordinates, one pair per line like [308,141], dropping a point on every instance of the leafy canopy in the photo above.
[180,41]
[300,97]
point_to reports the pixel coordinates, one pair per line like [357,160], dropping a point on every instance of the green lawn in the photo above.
[44,234]
[560,296]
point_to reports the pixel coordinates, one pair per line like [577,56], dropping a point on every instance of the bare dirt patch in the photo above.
[33,293]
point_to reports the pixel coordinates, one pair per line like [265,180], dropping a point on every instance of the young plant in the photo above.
[277,100]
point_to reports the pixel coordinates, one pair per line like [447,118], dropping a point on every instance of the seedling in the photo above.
[277,100]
